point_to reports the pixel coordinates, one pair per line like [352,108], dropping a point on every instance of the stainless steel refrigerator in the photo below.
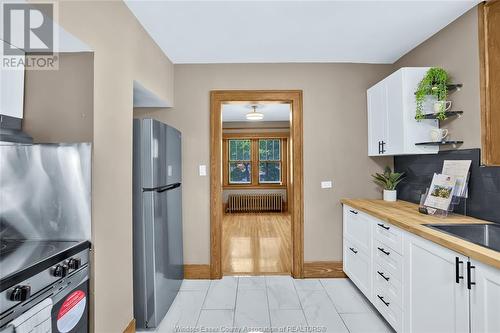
[158,258]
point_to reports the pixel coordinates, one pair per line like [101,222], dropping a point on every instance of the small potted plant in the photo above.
[388,180]
[434,83]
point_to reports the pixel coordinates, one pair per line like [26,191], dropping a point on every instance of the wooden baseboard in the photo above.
[130,327]
[197,271]
[323,269]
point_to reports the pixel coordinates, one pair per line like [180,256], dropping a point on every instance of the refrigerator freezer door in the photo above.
[174,166]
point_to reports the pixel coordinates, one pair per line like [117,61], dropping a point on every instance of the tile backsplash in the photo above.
[484,183]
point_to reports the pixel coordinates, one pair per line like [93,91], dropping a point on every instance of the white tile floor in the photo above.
[258,303]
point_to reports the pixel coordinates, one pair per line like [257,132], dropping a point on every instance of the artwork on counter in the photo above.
[441,190]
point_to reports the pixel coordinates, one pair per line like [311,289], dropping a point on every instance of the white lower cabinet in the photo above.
[433,300]
[484,298]
[417,285]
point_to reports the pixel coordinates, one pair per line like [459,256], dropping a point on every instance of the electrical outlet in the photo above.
[202,170]
[326,184]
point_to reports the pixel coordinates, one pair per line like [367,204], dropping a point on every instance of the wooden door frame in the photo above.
[489,112]
[296,185]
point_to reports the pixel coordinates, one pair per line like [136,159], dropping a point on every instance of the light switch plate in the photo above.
[203,170]
[327,184]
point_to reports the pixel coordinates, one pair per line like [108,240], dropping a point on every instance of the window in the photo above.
[255,161]
[270,161]
[240,165]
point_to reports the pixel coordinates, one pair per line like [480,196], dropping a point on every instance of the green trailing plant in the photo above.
[434,84]
[388,180]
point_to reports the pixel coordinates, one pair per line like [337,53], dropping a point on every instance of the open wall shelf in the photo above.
[454,87]
[439,143]
[447,113]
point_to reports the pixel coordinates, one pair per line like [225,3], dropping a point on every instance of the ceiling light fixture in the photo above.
[254,115]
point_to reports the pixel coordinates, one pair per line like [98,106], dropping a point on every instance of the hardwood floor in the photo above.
[256,244]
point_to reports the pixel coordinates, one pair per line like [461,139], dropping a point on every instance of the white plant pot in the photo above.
[390,195]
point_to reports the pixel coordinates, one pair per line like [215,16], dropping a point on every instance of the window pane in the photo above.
[239,150]
[270,172]
[270,150]
[240,173]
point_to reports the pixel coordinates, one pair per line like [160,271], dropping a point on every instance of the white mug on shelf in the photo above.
[439,134]
[441,106]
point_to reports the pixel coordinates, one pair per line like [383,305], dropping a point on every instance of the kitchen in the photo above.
[334,116]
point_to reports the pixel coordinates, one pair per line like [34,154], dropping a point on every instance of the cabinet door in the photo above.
[357,266]
[12,90]
[395,135]
[434,299]
[377,118]
[485,298]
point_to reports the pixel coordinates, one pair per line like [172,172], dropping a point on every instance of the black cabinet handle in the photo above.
[457,270]
[382,275]
[382,299]
[354,212]
[383,147]
[383,226]
[469,281]
[380,147]
[383,251]
[353,250]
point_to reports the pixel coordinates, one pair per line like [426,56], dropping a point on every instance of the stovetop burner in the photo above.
[19,254]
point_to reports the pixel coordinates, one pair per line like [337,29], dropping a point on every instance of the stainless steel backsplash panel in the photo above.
[45,191]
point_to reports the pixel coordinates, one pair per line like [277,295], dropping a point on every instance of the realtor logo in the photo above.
[28,27]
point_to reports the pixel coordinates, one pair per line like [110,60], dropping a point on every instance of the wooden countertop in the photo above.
[405,215]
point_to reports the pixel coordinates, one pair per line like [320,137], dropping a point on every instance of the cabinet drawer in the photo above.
[386,282]
[357,227]
[388,309]
[390,235]
[391,261]
[357,266]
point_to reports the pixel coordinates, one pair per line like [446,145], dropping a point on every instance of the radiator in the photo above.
[266,202]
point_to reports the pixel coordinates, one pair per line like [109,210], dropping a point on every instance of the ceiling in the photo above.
[271,111]
[293,31]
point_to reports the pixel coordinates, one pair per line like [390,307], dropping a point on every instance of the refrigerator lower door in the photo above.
[175,245]
[161,271]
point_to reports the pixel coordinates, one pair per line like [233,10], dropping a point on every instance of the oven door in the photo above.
[70,312]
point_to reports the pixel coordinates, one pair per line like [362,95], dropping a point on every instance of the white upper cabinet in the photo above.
[392,128]
[12,91]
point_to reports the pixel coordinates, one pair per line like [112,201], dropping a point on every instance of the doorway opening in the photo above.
[256,183]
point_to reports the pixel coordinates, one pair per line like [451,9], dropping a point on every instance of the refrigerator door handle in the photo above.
[161,189]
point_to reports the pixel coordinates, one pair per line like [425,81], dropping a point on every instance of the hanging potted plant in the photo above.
[434,83]
[388,180]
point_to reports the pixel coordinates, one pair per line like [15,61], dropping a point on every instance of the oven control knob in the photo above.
[20,293]
[74,263]
[61,271]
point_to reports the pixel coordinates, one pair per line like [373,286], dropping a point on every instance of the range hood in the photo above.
[10,130]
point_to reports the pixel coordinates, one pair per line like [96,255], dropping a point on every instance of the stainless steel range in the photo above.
[44,237]
[33,271]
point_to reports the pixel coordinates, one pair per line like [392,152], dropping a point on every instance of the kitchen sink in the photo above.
[487,235]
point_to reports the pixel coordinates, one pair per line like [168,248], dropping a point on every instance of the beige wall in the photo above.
[58,105]
[335,142]
[456,49]
[123,52]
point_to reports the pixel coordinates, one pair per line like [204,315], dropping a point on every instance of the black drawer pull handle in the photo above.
[383,226]
[457,270]
[469,281]
[353,250]
[382,299]
[382,275]
[354,212]
[383,251]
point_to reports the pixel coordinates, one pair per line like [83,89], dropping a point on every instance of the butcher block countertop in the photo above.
[405,215]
